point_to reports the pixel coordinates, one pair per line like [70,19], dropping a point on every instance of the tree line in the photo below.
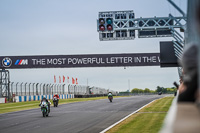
[158,89]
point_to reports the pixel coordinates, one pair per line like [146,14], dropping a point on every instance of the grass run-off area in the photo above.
[11,107]
[147,120]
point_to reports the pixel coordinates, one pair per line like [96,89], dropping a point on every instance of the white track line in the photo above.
[105,130]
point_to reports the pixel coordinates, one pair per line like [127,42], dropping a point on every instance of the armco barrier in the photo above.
[39,97]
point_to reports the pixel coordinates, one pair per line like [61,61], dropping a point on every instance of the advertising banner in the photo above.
[69,61]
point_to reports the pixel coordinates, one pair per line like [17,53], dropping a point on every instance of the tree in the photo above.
[152,91]
[171,90]
[140,91]
[146,90]
[135,90]
[164,90]
[159,89]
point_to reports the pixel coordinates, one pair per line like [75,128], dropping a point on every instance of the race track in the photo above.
[82,117]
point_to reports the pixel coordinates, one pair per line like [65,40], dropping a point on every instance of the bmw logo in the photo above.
[7,62]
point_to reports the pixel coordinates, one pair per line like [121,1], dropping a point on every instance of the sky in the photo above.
[69,27]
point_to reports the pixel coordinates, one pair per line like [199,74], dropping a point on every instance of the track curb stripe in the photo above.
[105,130]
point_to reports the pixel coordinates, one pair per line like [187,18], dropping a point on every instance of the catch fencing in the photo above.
[30,89]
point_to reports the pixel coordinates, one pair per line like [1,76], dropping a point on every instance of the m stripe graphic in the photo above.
[16,63]
[22,62]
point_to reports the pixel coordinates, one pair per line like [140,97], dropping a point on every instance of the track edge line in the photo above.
[105,130]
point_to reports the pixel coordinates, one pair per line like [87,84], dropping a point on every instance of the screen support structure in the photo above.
[5,84]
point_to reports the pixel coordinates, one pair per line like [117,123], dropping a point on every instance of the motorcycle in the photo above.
[44,109]
[55,101]
[110,98]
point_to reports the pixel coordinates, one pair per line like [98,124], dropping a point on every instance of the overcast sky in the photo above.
[66,27]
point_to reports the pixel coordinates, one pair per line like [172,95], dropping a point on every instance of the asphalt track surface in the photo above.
[80,117]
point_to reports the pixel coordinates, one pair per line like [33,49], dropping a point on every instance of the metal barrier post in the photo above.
[21,88]
[29,89]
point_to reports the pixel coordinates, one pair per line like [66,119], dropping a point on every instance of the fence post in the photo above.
[63,88]
[52,88]
[60,88]
[29,89]
[47,91]
[16,88]
[21,88]
[37,88]
[43,89]
[68,89]
[33,88]
[25,88]
[57,88]
[12,87]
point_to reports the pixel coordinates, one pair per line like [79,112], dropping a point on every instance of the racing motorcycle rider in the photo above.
[45,100]
[57,96]
[110,94]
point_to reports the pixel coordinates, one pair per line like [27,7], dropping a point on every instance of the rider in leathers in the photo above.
[45,100]
[57,96]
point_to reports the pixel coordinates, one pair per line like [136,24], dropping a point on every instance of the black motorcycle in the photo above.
[55,101]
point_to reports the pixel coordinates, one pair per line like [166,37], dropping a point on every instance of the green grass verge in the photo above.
[11,107]
[147,120]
